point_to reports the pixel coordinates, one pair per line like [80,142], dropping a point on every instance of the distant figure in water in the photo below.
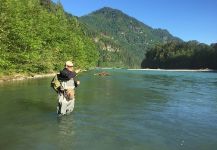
[103,74]
[66,94]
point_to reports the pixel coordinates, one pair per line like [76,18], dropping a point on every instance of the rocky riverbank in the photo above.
[18,77]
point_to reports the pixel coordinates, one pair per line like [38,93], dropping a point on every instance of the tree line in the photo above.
[181,55]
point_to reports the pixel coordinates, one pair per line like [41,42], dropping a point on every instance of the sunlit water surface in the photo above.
[129,110]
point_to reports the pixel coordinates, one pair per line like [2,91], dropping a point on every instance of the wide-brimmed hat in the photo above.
[69,64]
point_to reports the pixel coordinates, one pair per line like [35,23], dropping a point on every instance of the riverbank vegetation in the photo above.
[38,36]
[182,55]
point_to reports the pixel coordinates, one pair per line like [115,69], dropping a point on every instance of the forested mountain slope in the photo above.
[122,39]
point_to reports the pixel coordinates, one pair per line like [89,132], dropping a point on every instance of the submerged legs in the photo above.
[65,106]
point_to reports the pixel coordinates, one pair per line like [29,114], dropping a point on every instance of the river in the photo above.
[129,110]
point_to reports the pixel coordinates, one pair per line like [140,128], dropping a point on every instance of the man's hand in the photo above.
[78,82]
[78,70]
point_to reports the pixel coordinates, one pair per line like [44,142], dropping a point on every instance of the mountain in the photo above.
[122,40]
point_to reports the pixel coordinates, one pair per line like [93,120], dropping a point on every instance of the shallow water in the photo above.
[130,110]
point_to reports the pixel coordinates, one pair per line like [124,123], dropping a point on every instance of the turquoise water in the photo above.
[130,110]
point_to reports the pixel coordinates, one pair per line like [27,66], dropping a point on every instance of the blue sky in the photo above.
[186,19]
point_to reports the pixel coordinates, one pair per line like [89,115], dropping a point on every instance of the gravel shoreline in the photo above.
[20,77]
[184,70]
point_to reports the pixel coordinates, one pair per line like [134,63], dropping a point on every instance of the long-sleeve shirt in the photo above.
[66,75]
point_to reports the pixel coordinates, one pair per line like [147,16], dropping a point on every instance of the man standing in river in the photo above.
[66,94]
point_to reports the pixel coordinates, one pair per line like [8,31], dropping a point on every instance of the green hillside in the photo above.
[38,36]
[123,40]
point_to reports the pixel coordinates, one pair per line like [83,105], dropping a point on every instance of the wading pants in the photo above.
[65,106]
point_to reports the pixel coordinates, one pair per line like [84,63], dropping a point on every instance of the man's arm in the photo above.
[78,70]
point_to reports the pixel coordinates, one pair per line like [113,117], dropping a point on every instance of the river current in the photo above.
[129,110]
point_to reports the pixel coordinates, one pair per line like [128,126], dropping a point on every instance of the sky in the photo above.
[186,19]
